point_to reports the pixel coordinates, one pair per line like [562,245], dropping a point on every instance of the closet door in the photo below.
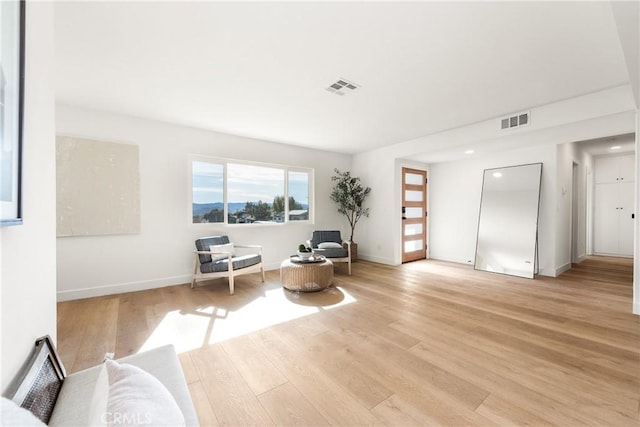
[625,205]
[627,169]
[607,169]
[613,225]
[606,219]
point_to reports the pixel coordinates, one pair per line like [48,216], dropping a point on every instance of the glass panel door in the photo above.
[414,212]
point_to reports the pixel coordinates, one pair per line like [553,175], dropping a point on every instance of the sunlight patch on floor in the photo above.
[424,266]
[419,266]
[208,325]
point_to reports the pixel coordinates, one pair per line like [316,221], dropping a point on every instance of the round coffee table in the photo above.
[306,277]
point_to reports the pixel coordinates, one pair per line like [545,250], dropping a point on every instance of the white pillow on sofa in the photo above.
[222,248]
[134,398]
[100,399]
[329,245]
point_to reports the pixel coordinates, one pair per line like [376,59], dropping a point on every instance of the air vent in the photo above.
[515,120]
[342,87]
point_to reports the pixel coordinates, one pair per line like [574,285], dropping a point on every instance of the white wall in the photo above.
[636,255]
[455,190]
[589,165]
[567,154]
[375,244]
[585,169]
[595,115]
[162,253]
[627,16]
[28,256]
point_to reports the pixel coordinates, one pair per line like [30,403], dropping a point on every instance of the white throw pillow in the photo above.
[329,245]
[13,415]
[100,399]
[222,248]
[137,398]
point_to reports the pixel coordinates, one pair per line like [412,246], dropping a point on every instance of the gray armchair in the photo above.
[215,257]
[335,250]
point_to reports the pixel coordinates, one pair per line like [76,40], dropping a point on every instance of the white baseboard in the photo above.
[455,261]
[562,269]
[636,308]
[120,288]
[376,259]
[612,255]
[272,266]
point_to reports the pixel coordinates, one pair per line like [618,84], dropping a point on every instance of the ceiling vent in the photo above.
[516,120]
[342,87]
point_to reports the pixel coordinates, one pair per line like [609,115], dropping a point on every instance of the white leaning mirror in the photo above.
[508,223]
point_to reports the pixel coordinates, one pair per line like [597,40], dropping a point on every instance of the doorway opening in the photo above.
[575,210]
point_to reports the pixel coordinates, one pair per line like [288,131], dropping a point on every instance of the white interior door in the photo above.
[626,222]
[606,219]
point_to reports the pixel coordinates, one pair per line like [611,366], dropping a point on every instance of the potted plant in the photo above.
[304,252]
[350,195]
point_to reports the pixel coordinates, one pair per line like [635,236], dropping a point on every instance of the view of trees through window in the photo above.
[298,196]
[254,194]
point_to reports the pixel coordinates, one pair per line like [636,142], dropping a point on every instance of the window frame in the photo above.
[225,192]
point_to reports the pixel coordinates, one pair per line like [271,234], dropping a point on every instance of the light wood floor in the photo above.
[426,343]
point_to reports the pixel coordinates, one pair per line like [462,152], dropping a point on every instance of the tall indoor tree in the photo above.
[350,195]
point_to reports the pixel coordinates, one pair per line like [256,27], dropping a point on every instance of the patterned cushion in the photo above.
[223,264]
[332,252]
[203,244]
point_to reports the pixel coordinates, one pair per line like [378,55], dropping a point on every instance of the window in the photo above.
[207,183]
[298,196]
[241,193]
[252,192]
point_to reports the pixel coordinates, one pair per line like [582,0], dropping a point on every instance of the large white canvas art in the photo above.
[98,187]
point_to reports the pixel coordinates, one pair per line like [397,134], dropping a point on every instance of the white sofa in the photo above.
[74,392]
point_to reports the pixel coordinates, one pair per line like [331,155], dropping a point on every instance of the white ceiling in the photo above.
[602,146]
[261,69]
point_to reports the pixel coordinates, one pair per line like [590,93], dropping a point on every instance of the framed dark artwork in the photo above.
[12,23]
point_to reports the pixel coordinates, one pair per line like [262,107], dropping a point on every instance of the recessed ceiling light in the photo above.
[616,147]
[497,175]
[469,152]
